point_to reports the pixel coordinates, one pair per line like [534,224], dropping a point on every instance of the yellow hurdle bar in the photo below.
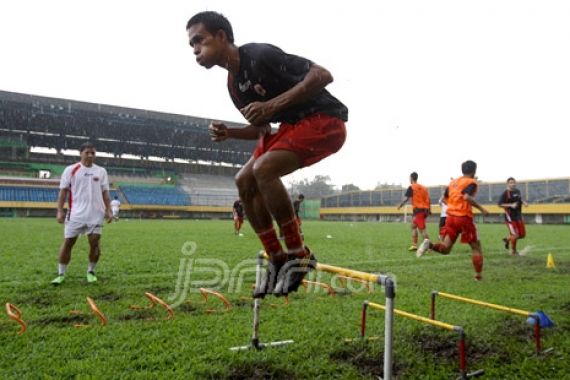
[348,272]
[486,304]
[443,325]
[345,272]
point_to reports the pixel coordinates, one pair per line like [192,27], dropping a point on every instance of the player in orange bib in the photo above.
[421,209]
[460,202]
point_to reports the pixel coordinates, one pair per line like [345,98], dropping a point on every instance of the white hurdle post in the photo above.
[383,280]
[255,343]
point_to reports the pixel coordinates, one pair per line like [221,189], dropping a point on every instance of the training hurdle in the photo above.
[383,280]
[505,309]
[458,329]
[15,314]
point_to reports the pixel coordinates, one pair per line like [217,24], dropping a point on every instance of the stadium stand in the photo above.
[155,195]
[66,124]
[159,164]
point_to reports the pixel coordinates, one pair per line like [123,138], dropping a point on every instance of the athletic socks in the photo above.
[91,267]
[293,239]
[61,269]
[477,261]
[270,242]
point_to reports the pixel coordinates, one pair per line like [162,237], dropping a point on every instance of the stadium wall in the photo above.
[48,209]
[544,213]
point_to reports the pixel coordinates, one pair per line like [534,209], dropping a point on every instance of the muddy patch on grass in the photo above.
[39,301]
[158,290]
[64,320]
[444,346]
[259,371]
[186,308]
[143,314]
[367,363]
[516,328]
[109,296]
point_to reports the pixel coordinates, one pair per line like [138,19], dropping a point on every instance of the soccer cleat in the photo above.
[91,277]
[506,242]
[294,272]
[58,280]
[478,277]
[422,249]
[413,247]
[268,281]
[515,253]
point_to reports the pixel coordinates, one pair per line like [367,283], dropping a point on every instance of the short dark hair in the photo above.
[414,176]
[213,22]
[301,196]
[468,167]
[86,145]
[510,178]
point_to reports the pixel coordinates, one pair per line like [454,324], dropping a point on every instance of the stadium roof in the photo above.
[65,124]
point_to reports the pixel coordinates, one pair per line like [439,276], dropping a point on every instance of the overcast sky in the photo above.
[428,84]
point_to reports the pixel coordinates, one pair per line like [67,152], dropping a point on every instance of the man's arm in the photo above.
[314,82]
[107,201]
[220,132]
[475,204]
[503,202]
[60,203]
[403,202]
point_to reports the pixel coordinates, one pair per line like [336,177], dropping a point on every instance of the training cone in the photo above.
[550,261]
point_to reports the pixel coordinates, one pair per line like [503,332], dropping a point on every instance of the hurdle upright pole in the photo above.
[390,291]
[461,346]
[257,303]
[523,313]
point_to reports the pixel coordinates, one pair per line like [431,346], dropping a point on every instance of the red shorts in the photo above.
[464,225]
[238,219]
[517,228]
[419,220]
[312,138]
[442,220]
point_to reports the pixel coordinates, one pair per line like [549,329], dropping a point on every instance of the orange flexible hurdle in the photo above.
[328,288]
[16,314]
[155,300]
[204,292]
[98,313]
[344,279]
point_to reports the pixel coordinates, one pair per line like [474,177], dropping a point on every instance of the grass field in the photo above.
[140,256]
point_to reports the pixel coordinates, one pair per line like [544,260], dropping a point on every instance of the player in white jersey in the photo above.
[115,206]
[86,187]
[442,217]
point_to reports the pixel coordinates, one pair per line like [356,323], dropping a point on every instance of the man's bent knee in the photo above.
[246,185]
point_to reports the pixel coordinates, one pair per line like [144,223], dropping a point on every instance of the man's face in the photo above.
[512,184]
[205,45]
[87,156]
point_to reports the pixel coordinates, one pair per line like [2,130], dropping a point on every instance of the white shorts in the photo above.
[115,212]
[74,229]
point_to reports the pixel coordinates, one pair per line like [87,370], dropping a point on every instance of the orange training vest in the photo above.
[456,205]
[420,197]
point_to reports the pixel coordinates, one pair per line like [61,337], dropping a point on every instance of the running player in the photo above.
[511,200]
[460,196]
[421,205]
